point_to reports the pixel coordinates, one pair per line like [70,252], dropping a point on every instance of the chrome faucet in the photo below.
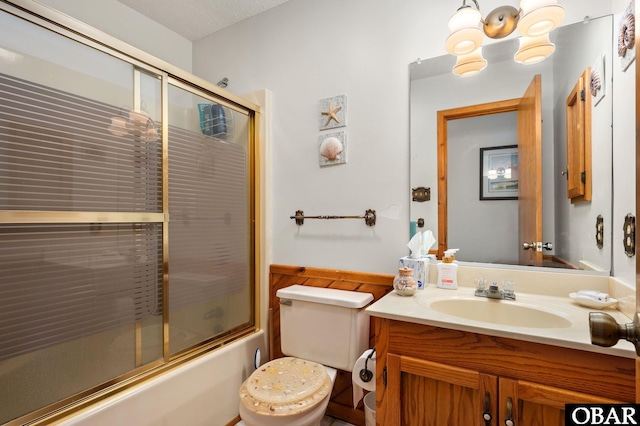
[494,292]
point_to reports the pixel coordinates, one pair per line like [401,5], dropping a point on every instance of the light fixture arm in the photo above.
[464,4]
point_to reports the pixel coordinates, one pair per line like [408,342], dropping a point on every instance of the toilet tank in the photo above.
[324,325]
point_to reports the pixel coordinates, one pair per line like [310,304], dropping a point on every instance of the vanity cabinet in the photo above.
[435,376]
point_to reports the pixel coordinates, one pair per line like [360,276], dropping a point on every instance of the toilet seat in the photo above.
[285,386]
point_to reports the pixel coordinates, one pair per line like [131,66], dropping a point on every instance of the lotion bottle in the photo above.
[448,270]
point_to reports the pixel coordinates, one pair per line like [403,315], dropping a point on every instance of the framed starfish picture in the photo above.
[333,112]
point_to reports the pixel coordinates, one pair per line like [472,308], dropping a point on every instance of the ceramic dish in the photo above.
[590,302]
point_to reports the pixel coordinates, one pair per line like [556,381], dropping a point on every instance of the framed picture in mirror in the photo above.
[499,173]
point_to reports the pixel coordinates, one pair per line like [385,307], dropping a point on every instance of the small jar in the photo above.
[403,283]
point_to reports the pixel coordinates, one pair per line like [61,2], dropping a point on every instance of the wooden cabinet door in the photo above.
[532,404]
[579,140]
[426,393]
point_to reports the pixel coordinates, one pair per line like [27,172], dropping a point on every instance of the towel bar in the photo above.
[369,217]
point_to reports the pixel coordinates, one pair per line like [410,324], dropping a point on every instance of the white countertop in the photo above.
[415,309]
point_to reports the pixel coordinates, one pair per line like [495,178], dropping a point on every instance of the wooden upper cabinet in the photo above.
[579,140]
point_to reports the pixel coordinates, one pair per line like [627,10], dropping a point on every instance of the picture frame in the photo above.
[597,80]
[332,149]
[626,36]
[499,173]
[332,112]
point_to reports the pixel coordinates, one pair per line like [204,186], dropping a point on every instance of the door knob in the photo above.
[538,246]
[605,331]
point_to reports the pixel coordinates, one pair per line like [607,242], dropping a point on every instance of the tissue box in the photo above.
[420,269]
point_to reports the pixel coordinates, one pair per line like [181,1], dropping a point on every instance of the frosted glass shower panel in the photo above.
[210,227]
[81,232]
[74,133]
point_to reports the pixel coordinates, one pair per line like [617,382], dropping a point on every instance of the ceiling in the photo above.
[195,19]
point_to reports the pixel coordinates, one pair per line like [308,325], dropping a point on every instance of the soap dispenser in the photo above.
[448,270]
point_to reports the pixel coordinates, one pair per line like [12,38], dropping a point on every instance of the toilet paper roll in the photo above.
[368,360]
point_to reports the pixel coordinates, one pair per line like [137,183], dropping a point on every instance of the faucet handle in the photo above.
[508,285]
[481,283]
[508,289]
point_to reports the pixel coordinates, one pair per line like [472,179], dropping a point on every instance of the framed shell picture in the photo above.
[627,36]
[332,149]
[597,80]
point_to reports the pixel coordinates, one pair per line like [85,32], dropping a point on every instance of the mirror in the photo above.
[485,229]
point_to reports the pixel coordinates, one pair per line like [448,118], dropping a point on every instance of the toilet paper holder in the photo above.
[365,374]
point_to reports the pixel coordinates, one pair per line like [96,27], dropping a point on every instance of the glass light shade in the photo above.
[539,17]
[118,126]
[470,64]
[465,17]
[534,49]
[464,41]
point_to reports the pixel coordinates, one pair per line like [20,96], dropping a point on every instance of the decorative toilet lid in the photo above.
[285,386]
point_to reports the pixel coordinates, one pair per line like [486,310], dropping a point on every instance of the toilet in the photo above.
[321,330]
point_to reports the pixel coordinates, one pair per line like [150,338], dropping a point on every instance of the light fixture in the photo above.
[470,64]
[534,49]
[534,20]
[500,172]
[134,123]
[539,17]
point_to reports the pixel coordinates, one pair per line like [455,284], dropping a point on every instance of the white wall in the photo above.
[483,230]
[305,51]
[624,155]
[130,26]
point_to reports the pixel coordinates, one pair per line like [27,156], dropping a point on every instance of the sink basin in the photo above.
[500,312]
